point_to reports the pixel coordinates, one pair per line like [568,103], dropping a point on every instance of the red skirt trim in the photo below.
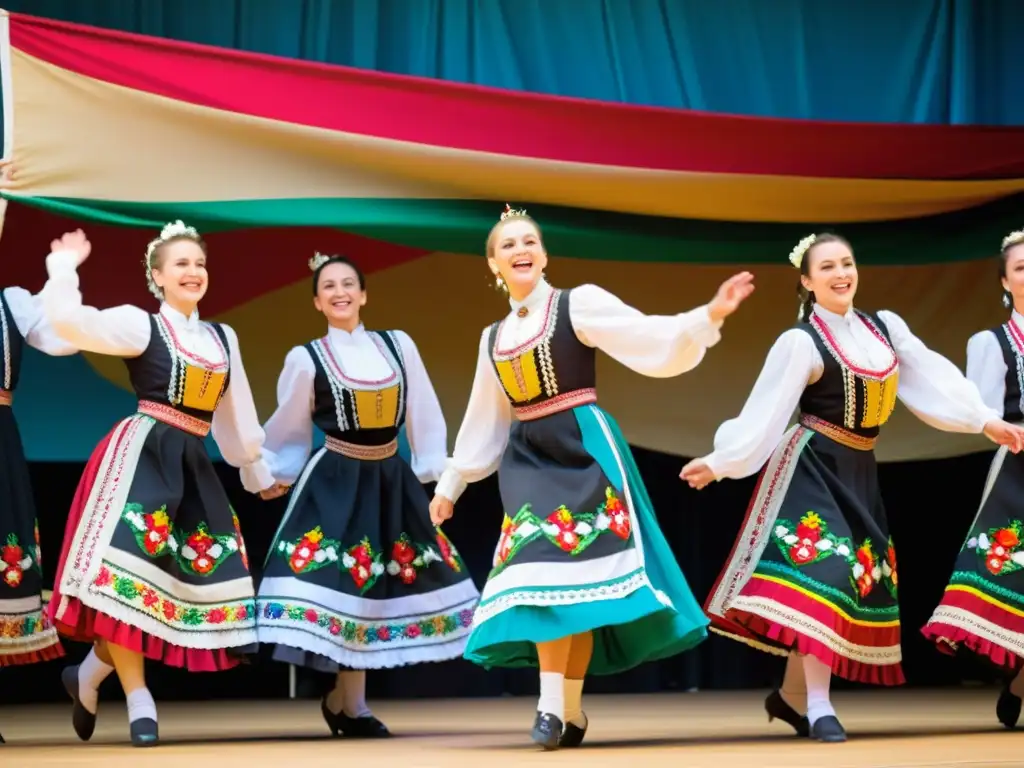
[948,630]
[49,653]
[83,624]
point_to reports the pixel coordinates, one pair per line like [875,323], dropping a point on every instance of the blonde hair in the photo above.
[493,234]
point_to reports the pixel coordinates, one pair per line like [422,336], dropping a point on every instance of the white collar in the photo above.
[341,336]
[833,317]
[177,318]
[537,296]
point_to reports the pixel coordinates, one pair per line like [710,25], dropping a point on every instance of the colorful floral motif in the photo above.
[311,552]
[368,633]
[200,552]
[364,564]
[1001,548]
[15,627]
[138,594]
[408,558]
[449,554]
[14,561]
[810,541]
[242,552]
[571,532]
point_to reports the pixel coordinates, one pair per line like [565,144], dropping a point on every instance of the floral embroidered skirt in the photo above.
[26,634]
[153,558]
[357,577]
[982,608]
[813,568]
[580,550]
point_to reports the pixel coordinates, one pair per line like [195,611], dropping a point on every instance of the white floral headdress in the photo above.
[796,256]
[170,231]
[318,260]
[509,212]
[1013,238]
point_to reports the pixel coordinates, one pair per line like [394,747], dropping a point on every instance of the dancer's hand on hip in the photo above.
[697,474]
[441,509]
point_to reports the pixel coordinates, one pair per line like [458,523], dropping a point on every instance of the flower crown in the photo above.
[170,231]
[796,256]
[509,212]
[1013,238]
[318,260]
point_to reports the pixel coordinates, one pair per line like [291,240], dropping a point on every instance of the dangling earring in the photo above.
[1007,301]
[499,283]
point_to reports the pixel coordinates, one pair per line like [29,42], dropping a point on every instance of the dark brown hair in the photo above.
[807,297]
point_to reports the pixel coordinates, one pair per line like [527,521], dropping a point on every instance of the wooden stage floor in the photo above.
[890,728]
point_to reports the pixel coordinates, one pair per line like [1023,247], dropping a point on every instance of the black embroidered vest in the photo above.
[168,374]
[551,363]
[1011,342]
[855,399]
[353,410]
[13,345]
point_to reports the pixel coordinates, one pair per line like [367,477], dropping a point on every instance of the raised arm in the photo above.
[289,431]
[745,443]
[119,331]
[986,368]
[932,387]
[27,311]
[236,427]
[484,432]
[425,427]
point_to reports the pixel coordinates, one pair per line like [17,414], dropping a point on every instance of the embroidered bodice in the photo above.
[1011,345]
[858,398]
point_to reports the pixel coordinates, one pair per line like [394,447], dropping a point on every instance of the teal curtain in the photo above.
[911,61]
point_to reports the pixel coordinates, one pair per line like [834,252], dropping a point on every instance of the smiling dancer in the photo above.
[357,577]
[153,564]
[983,603]
[813,571]
[583,579]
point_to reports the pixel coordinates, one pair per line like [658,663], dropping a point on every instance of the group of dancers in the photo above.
[361,575]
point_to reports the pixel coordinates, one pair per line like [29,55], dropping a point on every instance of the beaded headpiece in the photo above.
[170,231]
[318,260]
[796,256]
[1013,238]
[509,212]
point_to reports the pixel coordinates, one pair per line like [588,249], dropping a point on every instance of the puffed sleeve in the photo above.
[27,312]
[932,387]
[987,369]
[119,331]
[483,435]
[290,429]
[425,427]
[745,443]
[236,427]
[659,346]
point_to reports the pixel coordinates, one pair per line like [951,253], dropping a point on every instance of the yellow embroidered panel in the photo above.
[879,400]
[376,409]
[201,388]
[519,377]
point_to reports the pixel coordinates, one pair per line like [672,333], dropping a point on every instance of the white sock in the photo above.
[552,694]
[794,684]
[92,672]
[818,677]
[349,694]
[572,691]
[1017,685]
[140,705]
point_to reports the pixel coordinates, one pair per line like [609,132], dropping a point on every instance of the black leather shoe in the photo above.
[547,730]
[144,732]
[776,707]
[828,729]
[353,727]
[1008,707]
[82,720]
[572,735]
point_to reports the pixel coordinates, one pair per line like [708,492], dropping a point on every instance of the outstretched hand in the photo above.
[1003,433]
[73,241]
[730,295]
[441,509]
[697,474]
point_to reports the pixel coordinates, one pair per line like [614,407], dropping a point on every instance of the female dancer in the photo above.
[982,605]
[153,564]
[813,572]
[26,633]
[583,579]
[357,577]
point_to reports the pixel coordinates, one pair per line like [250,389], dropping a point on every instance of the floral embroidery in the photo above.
[311,552]
[449,554]
[200,552]
[16,627]
[571,532]
[138,594]
[810,541]
[363,564]
[14,561]
[1000,547]
[407,558]
[243,553]
[373,633]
